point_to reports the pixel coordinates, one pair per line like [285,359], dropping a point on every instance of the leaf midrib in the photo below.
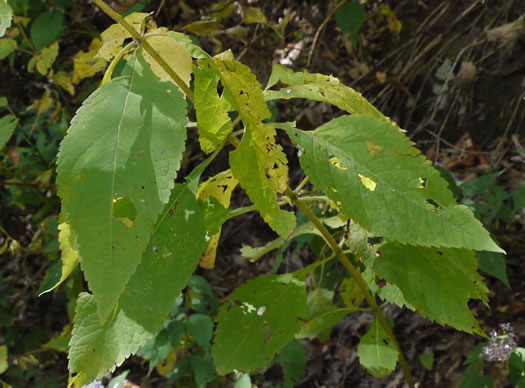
[115,154]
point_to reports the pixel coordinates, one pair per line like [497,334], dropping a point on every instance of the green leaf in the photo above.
[6,15]
[213,121]
[200,326]
[243,381]
[168,263]
[349,18]
[293,362]
[259,163]
[382,182]
[203,371]
[438,283]
[427,360]
[377,353]
[253,15]
[358,241]
[7,46]
[517,368]
[257,321]
[518,197]
[124,146]
[157,348]
[46,28]
[474,378]
[319,87]
[494,264]
[7,127]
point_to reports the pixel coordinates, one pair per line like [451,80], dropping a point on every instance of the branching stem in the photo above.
[300,203]
[356,275]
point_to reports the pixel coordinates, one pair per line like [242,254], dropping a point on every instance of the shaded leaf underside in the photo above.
[376,351]
[438,283]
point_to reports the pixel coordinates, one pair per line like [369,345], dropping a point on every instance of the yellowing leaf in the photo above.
[114,36]
[351,293]
[373,149]
[44,59]
[69,254]
[167,365]
[394,24]
[203,28]
[367,182]
[219,187]
[221,9]
[45,103]
[336,162]
[319,87]
[207,260]
[3,359]
[259,163]
[213,120]
[7,46]
[174,54]
[62,79]
[253,15]
[86,64]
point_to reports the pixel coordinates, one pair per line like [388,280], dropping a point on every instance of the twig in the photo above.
[320,29]
[356,276]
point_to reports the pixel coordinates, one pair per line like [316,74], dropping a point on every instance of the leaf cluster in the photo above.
[138,237]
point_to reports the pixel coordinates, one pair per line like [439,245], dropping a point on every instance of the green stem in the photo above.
[114,62]
[28,41]
[248,209]
[301,185]
[356,275]
[143,42]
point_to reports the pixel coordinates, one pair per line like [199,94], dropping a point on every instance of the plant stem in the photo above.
[301,185]
[347,264]
[320,29]
[356,275]
[151,51]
